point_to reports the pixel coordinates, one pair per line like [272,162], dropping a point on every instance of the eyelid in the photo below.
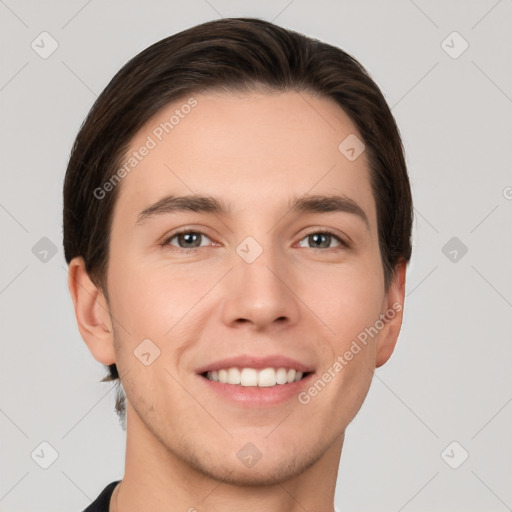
[322,230]
[166,240]
[344,241]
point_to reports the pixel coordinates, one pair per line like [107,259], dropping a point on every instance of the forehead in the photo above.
[254,150]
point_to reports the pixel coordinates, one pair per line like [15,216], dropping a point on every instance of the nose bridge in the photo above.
[258,290]
[258,264]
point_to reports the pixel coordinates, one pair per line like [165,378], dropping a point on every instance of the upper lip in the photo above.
[258,363]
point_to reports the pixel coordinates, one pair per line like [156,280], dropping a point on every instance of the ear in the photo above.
[393,307]
[92,313]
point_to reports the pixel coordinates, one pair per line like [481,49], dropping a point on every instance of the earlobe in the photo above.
[92,313]
[394,305]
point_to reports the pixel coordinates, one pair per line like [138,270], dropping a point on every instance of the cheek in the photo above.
[347,300]
[162,303]
[143,295]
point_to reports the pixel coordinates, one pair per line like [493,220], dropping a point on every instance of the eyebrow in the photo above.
[208,204]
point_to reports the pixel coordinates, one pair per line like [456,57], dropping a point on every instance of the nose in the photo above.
[260,293]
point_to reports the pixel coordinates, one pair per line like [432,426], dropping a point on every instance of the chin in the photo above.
[260,474]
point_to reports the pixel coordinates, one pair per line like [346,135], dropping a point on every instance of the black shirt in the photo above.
[103,500]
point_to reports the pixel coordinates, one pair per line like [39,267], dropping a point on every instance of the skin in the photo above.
[255,151]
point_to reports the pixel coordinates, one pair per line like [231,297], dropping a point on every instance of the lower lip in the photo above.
[254,396]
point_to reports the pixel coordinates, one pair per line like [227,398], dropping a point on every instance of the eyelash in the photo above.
[342,242]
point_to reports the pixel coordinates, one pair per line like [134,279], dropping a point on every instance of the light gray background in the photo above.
[449,378]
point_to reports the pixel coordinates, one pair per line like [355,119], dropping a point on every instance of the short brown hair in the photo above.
[236,55]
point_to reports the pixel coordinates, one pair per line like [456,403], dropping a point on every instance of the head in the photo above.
[256,116]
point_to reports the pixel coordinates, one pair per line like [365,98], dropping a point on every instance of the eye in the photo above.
[322,240]
[186,240]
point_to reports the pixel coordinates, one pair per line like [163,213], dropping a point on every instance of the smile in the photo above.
[266,377]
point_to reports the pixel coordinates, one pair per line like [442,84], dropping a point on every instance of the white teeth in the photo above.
[248,377]
[223,376]
[267,377]
[233,376]
[281,376]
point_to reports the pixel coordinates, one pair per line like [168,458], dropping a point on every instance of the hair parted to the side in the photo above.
[235,55]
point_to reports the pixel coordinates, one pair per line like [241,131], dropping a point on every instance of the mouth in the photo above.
[255,381]
[252,377]
[252,388]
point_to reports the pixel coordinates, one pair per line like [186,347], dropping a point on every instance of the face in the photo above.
[268,277]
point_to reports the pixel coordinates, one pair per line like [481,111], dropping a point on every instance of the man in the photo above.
[237,222]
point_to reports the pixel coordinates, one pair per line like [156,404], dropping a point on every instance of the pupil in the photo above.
[318,236]
[188,237]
